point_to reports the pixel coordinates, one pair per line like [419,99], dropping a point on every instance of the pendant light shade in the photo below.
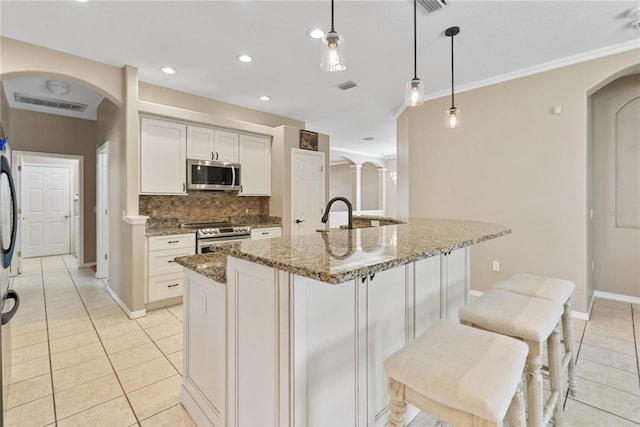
[415,88]
[453,113]
[332,56]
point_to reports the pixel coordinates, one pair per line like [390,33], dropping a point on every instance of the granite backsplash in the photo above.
[203,206]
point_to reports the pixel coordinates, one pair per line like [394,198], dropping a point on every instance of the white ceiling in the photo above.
[201,40]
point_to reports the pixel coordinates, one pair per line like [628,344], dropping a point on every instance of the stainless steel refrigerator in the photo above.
[10,301]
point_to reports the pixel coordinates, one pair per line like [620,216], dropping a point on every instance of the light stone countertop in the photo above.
[339,255]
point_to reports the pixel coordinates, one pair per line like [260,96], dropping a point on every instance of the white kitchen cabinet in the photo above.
[204,361]
[165,276]
[386,297]
[163,165]
[255,158]
[265,233]
[455,281]
[212,144]
[320,345]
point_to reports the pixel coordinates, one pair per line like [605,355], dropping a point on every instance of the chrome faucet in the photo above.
[325,217]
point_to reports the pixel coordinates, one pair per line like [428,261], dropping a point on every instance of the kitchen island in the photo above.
[296,331]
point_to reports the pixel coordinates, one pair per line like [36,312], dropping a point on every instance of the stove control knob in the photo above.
[215,231]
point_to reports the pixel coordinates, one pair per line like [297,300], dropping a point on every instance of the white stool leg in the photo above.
[397,403]
[569,346]
[555,374]
[516,409]
[535,402]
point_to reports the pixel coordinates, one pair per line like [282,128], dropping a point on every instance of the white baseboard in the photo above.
[576,314]
[130,314]
[616,297]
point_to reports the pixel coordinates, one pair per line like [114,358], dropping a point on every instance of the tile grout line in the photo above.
[102,345]
[46,320]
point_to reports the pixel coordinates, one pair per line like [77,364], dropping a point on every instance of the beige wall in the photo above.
[25,59]
[165,96]
[514,163]
[48,133]
[285,138]
[369,187]
[617,186]
[392,190]
[340,177]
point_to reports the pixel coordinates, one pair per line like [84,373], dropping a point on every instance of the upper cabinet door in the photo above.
[163,164]
[255,158]
[226,146]
[200,143]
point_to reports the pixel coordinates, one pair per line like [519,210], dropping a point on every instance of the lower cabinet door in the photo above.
[165,286]
[205,347]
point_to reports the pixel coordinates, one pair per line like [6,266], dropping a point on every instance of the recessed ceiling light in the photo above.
[58,87]
[244,58]
[316,33]
[168,70]
[264,98]
[82,1]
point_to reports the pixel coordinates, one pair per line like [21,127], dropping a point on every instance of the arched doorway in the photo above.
[616,187]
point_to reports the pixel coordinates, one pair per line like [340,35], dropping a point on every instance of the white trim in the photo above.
[475,294]
[135,219]
[617,297]
[536,69]
[131,314]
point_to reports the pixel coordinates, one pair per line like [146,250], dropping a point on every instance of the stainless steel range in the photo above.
[210,233]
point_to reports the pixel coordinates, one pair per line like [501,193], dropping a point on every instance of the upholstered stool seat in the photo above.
[553,289]
[533,320]
[458,374]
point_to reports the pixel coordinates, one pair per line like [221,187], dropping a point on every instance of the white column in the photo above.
[382,190]
[356,187]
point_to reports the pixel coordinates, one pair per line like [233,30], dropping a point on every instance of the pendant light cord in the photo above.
[332,29]
[452,94]
[415,43]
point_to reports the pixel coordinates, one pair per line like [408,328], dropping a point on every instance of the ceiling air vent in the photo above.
[347,85]
[431,6]
[49,102]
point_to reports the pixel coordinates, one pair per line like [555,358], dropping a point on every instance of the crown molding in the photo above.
[536,69]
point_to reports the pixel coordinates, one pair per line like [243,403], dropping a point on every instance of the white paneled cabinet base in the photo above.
[165,147]
[165,276]
[274,348]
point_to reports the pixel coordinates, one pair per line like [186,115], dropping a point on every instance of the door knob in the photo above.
[66,217]
[298,221]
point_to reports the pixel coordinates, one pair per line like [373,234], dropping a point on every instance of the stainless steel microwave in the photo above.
[213,175]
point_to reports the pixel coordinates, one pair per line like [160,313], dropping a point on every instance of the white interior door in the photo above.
[308,190]
[45,210]
[102,197]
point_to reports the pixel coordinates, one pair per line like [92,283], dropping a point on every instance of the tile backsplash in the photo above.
[203,206]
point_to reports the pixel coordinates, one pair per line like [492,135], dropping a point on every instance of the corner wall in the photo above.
[514,163]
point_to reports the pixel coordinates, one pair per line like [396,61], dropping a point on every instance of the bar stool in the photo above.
[534,321]
[557,290]
[458,374]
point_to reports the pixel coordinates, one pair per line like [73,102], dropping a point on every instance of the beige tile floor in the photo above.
[77,360]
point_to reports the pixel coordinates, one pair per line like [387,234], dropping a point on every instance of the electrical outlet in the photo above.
[495,265]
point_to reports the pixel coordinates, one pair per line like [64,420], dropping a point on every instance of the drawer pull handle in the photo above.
[173,286]
[264,233]
[173,241]
[172,260]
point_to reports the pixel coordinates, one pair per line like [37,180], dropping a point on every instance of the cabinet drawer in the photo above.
[162,262]
[167,286]
[173,241]
[266,233]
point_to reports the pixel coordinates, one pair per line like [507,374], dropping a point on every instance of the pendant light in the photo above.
[453,113]
[415,88]
[332,56]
